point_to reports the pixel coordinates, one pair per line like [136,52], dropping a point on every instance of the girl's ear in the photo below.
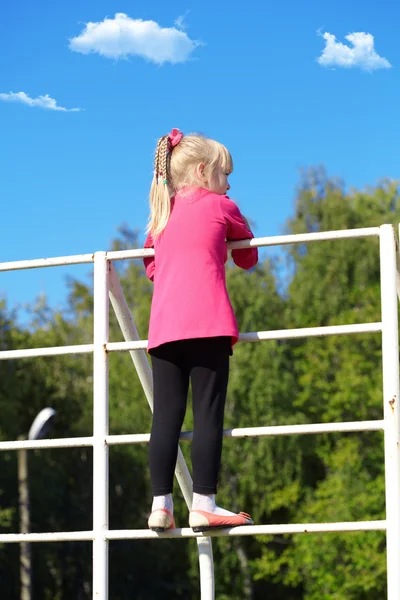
[200,172]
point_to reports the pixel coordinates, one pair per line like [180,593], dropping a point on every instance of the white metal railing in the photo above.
[106,285]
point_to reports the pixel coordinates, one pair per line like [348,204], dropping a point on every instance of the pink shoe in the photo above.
[160,520]
[200,520]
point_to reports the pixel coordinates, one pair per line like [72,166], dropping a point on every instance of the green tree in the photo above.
[338,379]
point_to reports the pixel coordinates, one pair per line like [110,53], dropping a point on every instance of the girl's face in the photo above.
[218,182]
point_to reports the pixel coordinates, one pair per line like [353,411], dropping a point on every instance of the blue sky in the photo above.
[266,79]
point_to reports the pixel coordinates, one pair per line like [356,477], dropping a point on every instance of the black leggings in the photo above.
[205,362]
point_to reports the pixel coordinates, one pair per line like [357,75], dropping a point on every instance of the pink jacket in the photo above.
[190,299]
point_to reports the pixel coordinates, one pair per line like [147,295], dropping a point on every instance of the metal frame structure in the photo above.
[107,286]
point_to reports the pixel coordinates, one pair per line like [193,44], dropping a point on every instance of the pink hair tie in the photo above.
[175,137]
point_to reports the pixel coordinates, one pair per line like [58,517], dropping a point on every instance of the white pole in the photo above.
[141,363]
[391,398]
[100,428]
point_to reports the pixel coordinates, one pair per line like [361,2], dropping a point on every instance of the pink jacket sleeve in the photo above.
[149,261]
[238,230]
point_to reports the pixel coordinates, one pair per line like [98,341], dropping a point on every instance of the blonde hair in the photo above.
[175,168]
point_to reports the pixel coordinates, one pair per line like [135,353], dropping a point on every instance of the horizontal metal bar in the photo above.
[124,346]
[288,334]
[75,442]
[133,438]
[277,240]
[128,254]
[255,336]
[301,238]
[40,263]
[278,334]
[304,429]
[62,536]
[240,432]
[51,351]
[187,532]
[273,430]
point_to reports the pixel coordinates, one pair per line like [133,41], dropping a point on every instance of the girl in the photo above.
[192,325]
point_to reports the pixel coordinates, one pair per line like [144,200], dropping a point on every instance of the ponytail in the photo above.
[160,193]
[162,188]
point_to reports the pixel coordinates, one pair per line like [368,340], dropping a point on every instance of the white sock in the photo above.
[164,501]
[206,502]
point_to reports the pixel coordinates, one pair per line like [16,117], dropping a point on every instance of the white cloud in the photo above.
[360,53]
[40,101]
[122,36]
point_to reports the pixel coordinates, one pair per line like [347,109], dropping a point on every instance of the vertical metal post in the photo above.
[391,408]
[100,427]
[24,526]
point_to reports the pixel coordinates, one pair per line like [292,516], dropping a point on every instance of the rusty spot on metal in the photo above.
[392,403]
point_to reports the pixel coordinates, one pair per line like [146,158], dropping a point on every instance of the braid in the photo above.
[160,199]
[157,159]
[162,160]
